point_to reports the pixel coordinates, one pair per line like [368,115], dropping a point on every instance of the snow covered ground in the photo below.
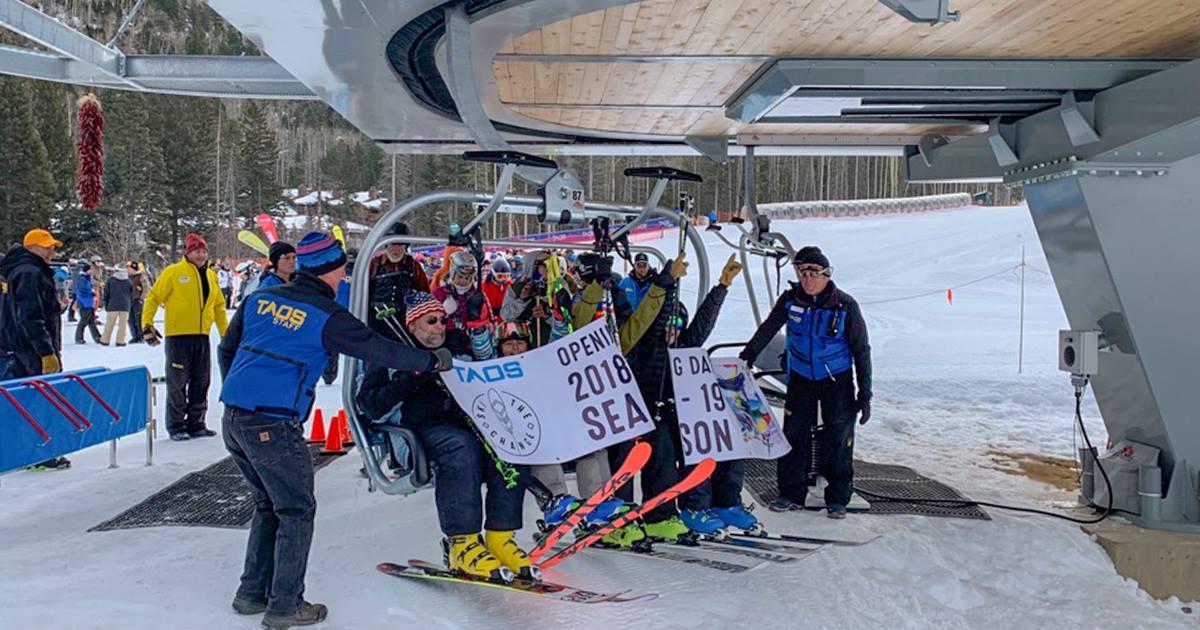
[947,391]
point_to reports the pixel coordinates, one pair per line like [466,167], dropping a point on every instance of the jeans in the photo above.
[189,371]
[722,490]
[87,319]
[462,467]
[135,322]
[835,396]
[276,463]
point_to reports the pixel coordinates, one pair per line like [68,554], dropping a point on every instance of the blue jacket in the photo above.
[343,293]
[826,336]
[268,280]
[282,338]
[635,289]
[85,295]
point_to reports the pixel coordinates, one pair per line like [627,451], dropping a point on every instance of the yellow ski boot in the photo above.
[504,547]
[467,554]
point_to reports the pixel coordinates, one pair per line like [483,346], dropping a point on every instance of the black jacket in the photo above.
[30,315]
[118,294]
[425,398]
[648,357]
[831,298]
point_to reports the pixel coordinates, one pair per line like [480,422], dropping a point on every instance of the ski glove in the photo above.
[864,407]
[151,336]
[731,270]
[475,306]
[51,364]
[445,360]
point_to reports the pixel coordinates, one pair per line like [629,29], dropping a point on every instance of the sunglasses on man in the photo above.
[434,319]
[813,272]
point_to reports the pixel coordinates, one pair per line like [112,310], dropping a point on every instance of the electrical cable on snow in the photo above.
[1105,513]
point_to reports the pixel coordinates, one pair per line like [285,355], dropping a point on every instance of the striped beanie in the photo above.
[318,253]
[418,304]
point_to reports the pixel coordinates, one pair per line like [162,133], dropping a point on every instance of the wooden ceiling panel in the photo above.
[988,28]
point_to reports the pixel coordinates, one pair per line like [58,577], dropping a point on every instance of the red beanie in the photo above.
[194,242]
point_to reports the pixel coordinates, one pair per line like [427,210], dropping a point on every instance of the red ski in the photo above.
[699,474]
[267,225]
[634,462]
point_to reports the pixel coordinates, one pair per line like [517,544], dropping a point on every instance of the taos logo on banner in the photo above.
[556,403]
[722,412]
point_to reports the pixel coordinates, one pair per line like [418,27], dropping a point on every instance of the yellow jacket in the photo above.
[178,289]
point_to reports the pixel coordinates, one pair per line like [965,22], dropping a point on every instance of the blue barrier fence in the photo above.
[47,416]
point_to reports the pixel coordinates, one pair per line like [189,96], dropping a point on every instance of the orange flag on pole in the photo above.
[950,296]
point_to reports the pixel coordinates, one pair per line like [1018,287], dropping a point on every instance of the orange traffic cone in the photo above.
[333,441]
[318,428]
[344,423]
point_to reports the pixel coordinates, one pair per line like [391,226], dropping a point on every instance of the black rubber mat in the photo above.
[214,497]
[884,479]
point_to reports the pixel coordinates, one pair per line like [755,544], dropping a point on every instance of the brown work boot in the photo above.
[248,606]
[306,615]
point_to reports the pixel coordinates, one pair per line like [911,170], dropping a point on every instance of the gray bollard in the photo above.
[1150,493]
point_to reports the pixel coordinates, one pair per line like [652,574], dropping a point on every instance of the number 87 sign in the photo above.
[722,412]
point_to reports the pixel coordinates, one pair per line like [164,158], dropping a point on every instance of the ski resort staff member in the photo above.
[189,293]
[826,337]
[31,316]
[282,268]
[458,455]
[277,345]
[635,285]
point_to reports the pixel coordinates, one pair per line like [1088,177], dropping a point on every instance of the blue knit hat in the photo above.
[318,253]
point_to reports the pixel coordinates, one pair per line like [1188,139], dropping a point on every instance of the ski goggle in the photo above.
[465,272]
[813,272]
[514,329]
[502,277]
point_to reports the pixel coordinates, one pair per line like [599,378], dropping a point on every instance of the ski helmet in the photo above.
[501,266]
[462,263]
[514,331]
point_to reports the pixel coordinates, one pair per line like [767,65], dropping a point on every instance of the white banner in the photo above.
[556,403]
[722,412]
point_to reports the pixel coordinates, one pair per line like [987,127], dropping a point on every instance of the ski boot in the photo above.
[703,522]
[738,516]
[505,549]
[669,530]
[624,537]
[467,554]
[608,510]
[557,511]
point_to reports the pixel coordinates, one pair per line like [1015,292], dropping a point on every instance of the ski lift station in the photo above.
[1092,107]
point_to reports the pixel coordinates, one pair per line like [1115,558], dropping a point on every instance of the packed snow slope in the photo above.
[947,391]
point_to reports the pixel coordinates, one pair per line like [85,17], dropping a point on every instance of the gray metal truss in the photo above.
[781,79]
[80,60]
[1140,127]
[930,12]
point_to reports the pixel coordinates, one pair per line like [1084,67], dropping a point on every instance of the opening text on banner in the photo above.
[722,412]
[556,403]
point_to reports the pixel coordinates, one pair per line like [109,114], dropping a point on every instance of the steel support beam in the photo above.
[1122,252]
[715,148]
[557,58]
[34,25]
[1142,126]
[781,79]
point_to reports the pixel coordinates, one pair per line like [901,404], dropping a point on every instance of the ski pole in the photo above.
[686,205]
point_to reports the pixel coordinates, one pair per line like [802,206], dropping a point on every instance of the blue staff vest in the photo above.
[280,357]
[817,350]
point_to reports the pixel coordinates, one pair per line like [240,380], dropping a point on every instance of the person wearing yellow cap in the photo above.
[31,315]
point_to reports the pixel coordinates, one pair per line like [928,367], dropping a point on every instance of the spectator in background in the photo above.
[137,283]
[635,285]
[496,283]
[62,283]
[249,274]
[282,267]
[85,298]
[225,281]
[188,291]
[118,299]
[31,316]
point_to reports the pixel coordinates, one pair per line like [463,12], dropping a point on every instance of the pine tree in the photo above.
[257,154]
[185,128]
[27,184]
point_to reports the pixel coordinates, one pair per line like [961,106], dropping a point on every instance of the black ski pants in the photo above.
[87,320]
[660,473]
[189,371]
[835,398]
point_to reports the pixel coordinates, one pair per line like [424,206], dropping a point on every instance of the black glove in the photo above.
[151,336]
[864,407]
[746,356]
[475,305]
[593,267]
[444,358]
[664,278]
